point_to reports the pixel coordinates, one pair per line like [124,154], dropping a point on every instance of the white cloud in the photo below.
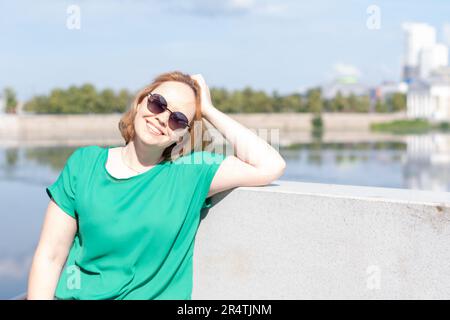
[272,9]
[226,7]
[342,69]
[243,4]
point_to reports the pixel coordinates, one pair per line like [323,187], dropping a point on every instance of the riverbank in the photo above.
[411,126]
[290,127]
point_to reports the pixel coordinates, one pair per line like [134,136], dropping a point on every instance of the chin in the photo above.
[150,139]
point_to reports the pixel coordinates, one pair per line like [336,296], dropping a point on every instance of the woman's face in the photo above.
[180,97]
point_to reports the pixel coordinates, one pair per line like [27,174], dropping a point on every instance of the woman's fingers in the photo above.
[198,77]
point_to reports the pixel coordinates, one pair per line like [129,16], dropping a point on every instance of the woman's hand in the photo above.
[206,103]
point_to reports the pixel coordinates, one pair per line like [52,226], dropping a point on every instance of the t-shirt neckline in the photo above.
[155,169]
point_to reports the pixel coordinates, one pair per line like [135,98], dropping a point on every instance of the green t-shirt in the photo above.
[135,235]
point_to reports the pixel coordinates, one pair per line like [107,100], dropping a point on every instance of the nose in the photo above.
[163,118]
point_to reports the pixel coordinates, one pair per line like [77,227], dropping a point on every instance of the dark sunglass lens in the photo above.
[178,121]
[154,105]
[161,100]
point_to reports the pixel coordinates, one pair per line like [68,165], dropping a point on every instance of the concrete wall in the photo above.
[105,125]
[59,126]
[331,121]
[290,128]
[294,240]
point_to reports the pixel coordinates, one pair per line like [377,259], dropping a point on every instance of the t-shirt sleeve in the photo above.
[210,163]
[63,190]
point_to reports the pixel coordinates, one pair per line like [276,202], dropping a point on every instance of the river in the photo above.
[414,162]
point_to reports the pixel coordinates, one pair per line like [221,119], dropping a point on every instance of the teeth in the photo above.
[153,129]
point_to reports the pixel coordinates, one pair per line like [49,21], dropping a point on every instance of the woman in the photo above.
[121,221]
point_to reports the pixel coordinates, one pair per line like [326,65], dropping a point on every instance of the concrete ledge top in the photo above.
[436,198]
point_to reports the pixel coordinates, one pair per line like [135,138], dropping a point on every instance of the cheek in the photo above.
[140,126]
[138,122]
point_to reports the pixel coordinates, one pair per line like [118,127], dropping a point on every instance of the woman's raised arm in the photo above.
[256,162]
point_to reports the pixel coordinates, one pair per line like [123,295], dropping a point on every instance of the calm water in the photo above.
[421,162]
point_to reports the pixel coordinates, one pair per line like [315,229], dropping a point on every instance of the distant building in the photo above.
[388,88]
[427,73]
[346,86]
[384,91]
[430,98]
[417,37]
[432,58]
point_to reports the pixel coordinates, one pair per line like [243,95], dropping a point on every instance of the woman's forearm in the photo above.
[247,145]
[43,277]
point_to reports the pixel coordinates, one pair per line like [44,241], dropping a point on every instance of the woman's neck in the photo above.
[139,156]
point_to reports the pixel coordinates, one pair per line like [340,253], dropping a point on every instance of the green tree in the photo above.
[106,102]
[352,103]
[87,99]
[84,99]
[277,102]
[38,104]
[314,100]
[381,106]
[338,103]
[10,100]
[292,103]
[260,102]
[398,102]
[124,99]
[236,102]
[363,104]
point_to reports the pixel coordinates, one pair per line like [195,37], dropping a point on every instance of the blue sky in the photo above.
[283,45]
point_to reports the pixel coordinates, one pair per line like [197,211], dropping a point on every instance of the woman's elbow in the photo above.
[279,169]
[273,172]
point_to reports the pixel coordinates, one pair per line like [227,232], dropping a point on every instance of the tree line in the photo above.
[87,99]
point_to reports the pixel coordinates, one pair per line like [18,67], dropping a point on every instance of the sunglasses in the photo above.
[157,104]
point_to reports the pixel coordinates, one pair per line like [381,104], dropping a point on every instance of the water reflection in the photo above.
[365,163]
[418,162]
[428,162]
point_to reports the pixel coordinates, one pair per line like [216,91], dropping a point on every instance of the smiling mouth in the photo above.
[153,129]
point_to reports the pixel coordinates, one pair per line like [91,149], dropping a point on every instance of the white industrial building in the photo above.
[430,98]
[426,70]
[432,58]
[417,37]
